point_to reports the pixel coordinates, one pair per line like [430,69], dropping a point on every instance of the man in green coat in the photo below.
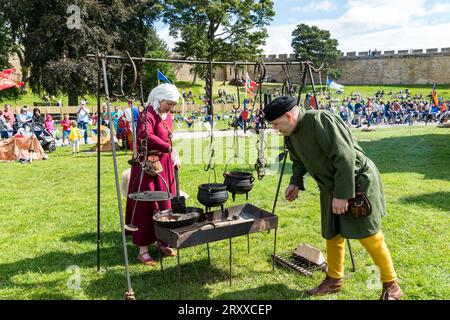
[321,144]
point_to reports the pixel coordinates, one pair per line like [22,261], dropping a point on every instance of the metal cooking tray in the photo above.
[233,222]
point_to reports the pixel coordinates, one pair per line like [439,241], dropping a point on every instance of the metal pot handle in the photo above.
[235,156]
[165,185]
[209,179]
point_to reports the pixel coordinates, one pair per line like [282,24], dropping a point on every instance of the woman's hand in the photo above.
[291,193]
[175,159]
[339,206]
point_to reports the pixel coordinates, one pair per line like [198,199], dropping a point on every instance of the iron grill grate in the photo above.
[290,260]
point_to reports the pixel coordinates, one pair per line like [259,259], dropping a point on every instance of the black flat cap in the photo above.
[278,107]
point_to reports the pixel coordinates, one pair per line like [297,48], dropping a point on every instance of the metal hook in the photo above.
[288,83]
[122,71]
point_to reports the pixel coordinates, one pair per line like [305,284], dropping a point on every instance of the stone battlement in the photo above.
[413,66]
[367,54]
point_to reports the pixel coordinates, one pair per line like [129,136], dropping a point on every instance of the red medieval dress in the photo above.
[157,139]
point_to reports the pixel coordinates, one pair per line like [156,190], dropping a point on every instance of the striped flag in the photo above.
[250,85]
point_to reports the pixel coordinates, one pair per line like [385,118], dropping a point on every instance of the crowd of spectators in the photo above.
[355,110]
[400,108]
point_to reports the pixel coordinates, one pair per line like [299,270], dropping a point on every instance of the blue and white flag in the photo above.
[335,85]
[162,77]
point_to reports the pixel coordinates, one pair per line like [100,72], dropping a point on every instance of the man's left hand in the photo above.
[339,206]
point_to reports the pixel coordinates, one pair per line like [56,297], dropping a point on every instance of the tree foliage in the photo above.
[218,30]
[316,45]
[55,49]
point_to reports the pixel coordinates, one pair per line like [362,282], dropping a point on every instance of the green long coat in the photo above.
[324,146]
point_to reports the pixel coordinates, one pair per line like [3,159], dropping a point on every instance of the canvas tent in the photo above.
[16,148]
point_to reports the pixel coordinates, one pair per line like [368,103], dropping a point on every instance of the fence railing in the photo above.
[93,109]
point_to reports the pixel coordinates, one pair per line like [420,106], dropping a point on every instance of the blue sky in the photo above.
[360,25]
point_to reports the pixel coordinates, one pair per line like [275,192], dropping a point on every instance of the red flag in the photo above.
[7,73]
[6,82]
[312,102]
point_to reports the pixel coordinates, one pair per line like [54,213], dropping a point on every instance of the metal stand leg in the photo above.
[179,275]
[248,243]
[209,257]
[161,262]
[351,255]
[230,261]
[274,249]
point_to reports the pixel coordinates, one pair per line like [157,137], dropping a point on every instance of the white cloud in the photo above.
[279,40]
[164,34]
[403,38]
[440,8]
[364,25]
[381,24]
[315,6]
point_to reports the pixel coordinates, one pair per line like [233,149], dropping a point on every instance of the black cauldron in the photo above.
[212,194]
[238,182]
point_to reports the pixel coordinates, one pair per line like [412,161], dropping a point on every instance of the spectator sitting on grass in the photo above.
[22,118]
[189,122]
[37,116]
[5,127]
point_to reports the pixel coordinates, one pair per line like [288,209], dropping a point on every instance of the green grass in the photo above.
[49,222]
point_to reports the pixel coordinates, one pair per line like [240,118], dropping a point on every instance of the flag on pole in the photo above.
[162,77]
[335,85]
[434,95]
[249,85]
[6,81]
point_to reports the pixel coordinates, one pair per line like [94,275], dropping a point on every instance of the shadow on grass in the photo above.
[105,237]
[110,283]
[439,200]
[155,284]
[54,262]
[426,154]
[265,292]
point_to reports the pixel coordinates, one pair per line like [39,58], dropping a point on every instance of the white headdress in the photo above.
[164,91]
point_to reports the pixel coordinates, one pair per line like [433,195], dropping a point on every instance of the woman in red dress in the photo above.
[157,119]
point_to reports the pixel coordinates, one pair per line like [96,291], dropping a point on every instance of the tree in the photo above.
[218,30]
[6,43]
[57,35]
[316,45]
[157,49]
